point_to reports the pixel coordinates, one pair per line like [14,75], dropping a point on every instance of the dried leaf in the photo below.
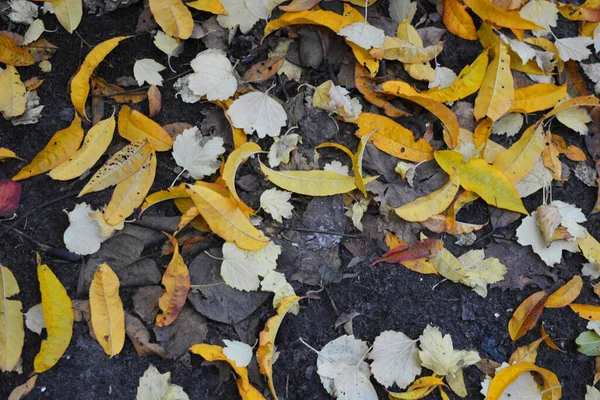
[511,373]
[173,17]
[134,126]
[176,281]
[235,159]
[468,81]
[566,294]
[12,100]
[22,391]
[11,54]
[12,335]
[68,13]
[500,17]
[497,89]
[458,21]
[526,315]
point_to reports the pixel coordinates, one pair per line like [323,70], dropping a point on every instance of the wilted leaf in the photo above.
[497,89]
[12,335]
[235,159]
[11,54]
[511,373]
[526,315]
[58,316]
[12,99]
[176,281]
[434,203]
[108,317]
[458,21]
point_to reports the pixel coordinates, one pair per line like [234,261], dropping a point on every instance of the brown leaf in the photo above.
[487,366]
[549,342]
[364,84]
[140,337]
[597,371]
[32,84]
[154,101]
[548,219]
[176,128]
[526,353]
[20,392]
[41,50]
[113,91]
[526,315]
[263,70]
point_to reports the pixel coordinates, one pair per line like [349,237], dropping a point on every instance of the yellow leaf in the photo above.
[590,248]
[176,281]
[458,21]
[508,375]
[68,13]
[588,101]
[235,159]
[94,145]
[130,193]
[11,54]
[12,96]
[434,203]
[80,84]
[537,97]
[58,316]
[311,183]
[176,192]
[526,315]
[122,165]
[365,85]
[486,180]
[586,311]
[548,46]
[393,138]
[566,294]
[468,81]
[497,89]
[61,146]
[499,16]
[211,6]
[211,352]
[108,317]
[12,335]
[20,392]
[266,350]
[133,125]
[519,159]
[419,389]
[357,160]
[226,219]
[398,49]
[527,353]
[448,118]
[173,17]
[420,72]
[6,154]
[406,31]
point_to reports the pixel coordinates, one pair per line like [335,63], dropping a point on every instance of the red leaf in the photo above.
[10,195]
[423,249]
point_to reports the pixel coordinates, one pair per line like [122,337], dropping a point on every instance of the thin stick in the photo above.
[144,88]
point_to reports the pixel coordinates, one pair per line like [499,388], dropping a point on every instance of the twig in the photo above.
[289,228]
[33,210]
[143,88]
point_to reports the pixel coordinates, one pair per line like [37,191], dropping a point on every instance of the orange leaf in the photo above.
[154,101]
[176,281]
[526,315]
[548,340]
[498,16]
[422,249]
[11,54]
[263,70]
[133,125]
[506,376]
[458,21]
[586,311]
[566,294]
[364,84]
[526,353]
[265,353]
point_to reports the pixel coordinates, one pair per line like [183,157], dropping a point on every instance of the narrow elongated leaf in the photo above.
[176,192]
[108,317]
[365,85]
[173,17]
[266,350]
[311,183]
[226,219]
[487,11]
[566,294]
[468,81]
[404,51]
[458,21]
[508,375]
[12,97]
[574,102]
[392,138]
[80,84]
[448,118]
[519,159]
[58,316]
[130,193]
[22,391]
[12,335]
[538,97]
[176,281]
[134,126]
[121,166]
[61,146]
[357,160]
[526,315]
[235,159]
[497,89]
[68,13]
[478,176]
[586,311]
[94,145]
[434,203]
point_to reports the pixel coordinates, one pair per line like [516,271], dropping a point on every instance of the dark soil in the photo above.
[388,297]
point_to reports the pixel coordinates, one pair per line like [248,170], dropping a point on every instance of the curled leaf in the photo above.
[176,281]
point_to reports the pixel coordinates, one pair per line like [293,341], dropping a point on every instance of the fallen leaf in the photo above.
[213,76]
[140,338]
[58,316]
[243,14]
[156,386]
[537,97]
[173,17]
[266,350]
[497,89]
[277,203]
[22,391]
[197,154]
[489,12]
[468,81]
[523,386]
[11,54]
[395,359]
[526,315]
[148,70]
[336,100]
[257,112]
[281,149]
[108,317]
[12,101]
[511,373]
[574,48]
[83,236]
[458,21]
[95,143]
[69,13]
[586,311]
[434,203]
[363,35]
[275,282]
[34,32]
[176,281]
[12,335]
[241,269]
[519,159]
[395,48]
[10,197]
[263,70]
[135,126]
[566,294]
[527,353]
[80,84]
